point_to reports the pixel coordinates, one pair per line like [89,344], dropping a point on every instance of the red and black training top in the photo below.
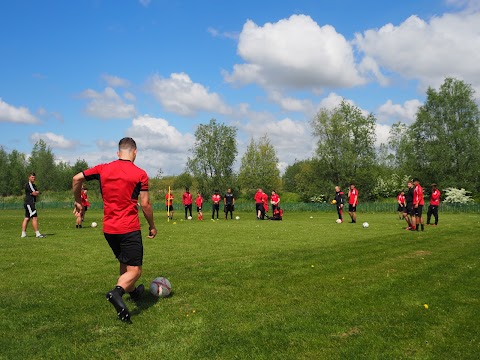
[120,182]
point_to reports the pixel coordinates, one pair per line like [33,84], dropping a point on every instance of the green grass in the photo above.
[303,288]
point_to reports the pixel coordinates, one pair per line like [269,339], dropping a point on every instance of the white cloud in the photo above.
[294,53]
[20,115]
[145,3]
[53,140]
[107,105]
[392,113]
[222,34]
[115,81]
[428,51]
[382,132]
[287,103]
[180,95]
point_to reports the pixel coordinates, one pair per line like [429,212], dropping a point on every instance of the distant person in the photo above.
[401,204]
[418,202]
[265,205]
[352,203]
[187,200]
[434,204]
[339,202]
[31,195]
[277,214]
[122,184]
[274,200]
[216,197]
[409,213]
[259,203]
[85,204]
[199,203]
[229,203]
[169,205]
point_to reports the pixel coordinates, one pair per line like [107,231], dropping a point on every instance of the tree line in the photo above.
[442,145]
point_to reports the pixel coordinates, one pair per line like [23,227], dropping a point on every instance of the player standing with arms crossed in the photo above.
[229,203]
[31,193]
[216,204]
[434,204]
[274,200]
[199,203]
[187,200]
[122,183]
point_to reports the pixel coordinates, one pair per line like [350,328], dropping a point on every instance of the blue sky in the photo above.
[82,74]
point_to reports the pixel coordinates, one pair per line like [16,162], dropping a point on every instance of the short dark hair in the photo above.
[127,143]
[415,179]
[32,174]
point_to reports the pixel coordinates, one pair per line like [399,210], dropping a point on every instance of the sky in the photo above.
[83,74]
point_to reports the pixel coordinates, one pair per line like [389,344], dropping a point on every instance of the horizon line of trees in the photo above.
[441,146]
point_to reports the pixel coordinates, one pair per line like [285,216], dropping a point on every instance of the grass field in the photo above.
[302,288]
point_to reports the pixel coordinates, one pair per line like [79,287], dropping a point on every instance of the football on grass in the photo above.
[365,225]
[237,218]
[160,287]
[338,221]
[94,224]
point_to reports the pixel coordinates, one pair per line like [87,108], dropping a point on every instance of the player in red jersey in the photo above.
[352,202]
[418,203]
[265,205]
[401,204]
[434,204]
[169,204]
[275,201]
[187,200]
[216,197]
[199,203]
[85,204]
[122,184]
[259,203]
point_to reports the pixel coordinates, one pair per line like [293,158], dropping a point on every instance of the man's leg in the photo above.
[429,214]
[435,215]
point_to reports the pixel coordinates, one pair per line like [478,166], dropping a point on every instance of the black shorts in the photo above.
[418,210]
[30,210]
[409,210]
[128,248]
[199,208]
[401,208]
[169,208]
[229,207]
[352,208]
[259,207]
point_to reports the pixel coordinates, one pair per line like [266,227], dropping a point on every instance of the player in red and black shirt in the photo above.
[401,204]
[122,184]
[85,204]
[31,194]
[199,203]
[352,203]
[169,204]
[418,202]
[259,203]
[216,197]
[339,202]
[434,204]
[408,212]
[187,200]
[274,200]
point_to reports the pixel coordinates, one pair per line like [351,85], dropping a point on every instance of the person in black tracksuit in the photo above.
[339,202]
[408,213]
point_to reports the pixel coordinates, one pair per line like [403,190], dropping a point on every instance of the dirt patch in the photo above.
[350,332]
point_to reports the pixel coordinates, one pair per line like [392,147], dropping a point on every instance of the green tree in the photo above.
[42,162]
[17,172]
[259,167]
[446,137]
[346,146]
[213,156]
[4,165]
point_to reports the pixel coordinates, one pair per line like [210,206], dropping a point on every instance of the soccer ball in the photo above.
[365,225]
[160,287]
[338,221]
[94,224]
[237,217]
[189,218]
[334,202]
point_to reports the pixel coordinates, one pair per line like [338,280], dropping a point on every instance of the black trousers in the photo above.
[432,210]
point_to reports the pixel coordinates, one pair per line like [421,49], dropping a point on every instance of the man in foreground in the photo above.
[122,183]
[31,193]
[352,203]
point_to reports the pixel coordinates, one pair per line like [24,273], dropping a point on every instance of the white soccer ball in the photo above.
[365,225]
[338,221]
[94,224]
[160,287]
[189,218]
[237,217]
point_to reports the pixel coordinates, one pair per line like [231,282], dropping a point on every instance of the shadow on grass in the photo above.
[146,302]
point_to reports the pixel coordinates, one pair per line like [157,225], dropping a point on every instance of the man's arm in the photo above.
[77,182]
[148,213]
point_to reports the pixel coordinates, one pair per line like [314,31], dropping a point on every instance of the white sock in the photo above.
[24,233]
[37,233]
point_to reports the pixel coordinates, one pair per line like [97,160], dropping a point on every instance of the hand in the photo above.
[152,232]
[78,210]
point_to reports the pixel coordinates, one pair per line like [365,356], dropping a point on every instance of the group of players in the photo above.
[261,205]
[352,203]
[410,205]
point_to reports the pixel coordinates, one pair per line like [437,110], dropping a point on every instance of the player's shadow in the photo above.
[146,302]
